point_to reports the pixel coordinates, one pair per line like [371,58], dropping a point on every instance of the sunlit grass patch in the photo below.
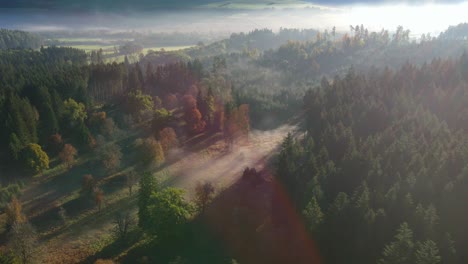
[163,175]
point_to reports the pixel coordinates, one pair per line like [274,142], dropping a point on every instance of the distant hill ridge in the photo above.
[13,39]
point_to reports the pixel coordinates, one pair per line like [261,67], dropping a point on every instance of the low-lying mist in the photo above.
[420,18]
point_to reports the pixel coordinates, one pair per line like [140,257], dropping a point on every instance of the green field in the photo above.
[89,48]
[80,39]
[108,50]
[166,48]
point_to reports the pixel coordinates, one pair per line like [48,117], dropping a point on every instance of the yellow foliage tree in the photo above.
[14,213]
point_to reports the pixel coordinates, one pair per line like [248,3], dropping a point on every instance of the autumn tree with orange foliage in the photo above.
[189,102]
[97,118]
[192,116]
[170,101]
[55,143]
[68,154]
[194,120]
[168,139]
[22,238]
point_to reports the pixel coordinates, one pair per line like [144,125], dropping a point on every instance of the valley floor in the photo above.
[87,230]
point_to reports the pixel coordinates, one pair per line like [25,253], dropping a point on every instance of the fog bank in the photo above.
[422,18]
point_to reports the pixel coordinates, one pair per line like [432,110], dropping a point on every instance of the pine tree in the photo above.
[427,253]
[126,62]
[150,79]
[21,119]
[15,146]
[210,107]
[313,215]
[48,123]
[400,251]
[448,251]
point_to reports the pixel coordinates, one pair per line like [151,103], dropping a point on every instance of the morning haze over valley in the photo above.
[248,132]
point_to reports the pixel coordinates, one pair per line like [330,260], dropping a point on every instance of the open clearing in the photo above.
[110,56]
[205,158]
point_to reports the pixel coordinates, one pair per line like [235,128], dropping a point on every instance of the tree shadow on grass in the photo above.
[202,141]
[93,218]
[117,246]
[113,184]
[252,221]
[58,186]
[217,236]
[45,209]
[258,222]
[48,218]
[198,245]
[61,183]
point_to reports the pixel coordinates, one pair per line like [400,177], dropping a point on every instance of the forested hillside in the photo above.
[380,175]
[176,157]
[15,39]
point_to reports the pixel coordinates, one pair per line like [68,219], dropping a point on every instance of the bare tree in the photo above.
[98,197]
[123,223]
[23,242]
[87,185]
[63,215]
[132,179]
